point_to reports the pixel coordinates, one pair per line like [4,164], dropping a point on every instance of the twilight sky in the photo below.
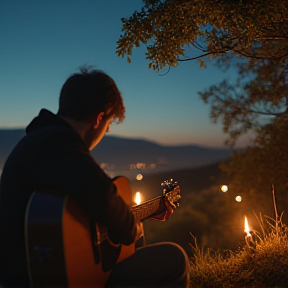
[43,42]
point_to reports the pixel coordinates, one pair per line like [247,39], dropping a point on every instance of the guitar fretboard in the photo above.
[146,209]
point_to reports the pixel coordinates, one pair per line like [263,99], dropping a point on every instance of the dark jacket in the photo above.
[53,156]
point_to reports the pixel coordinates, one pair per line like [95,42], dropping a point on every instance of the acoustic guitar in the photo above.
[65,248]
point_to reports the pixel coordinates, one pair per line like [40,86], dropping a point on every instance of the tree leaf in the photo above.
[202,64]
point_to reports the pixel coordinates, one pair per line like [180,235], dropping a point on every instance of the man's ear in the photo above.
[98,119]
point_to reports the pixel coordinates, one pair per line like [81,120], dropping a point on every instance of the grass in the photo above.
[260,263]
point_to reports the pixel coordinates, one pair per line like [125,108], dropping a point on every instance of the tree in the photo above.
[257,102]
[253,36]
[259,94]
[173,29]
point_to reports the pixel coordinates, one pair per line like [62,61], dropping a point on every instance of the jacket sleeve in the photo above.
[65,166]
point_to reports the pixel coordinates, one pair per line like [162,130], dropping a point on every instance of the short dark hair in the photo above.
[89,92]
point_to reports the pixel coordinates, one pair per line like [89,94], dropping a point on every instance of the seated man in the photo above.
[54,156]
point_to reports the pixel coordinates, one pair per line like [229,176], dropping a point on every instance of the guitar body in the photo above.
[65,248]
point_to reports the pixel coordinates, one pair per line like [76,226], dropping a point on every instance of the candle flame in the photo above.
[138,198]
[246,226]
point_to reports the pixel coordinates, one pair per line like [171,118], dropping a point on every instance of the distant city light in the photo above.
[238,198]
[224,188]
[140,165]
[138,198]
[139,177]
[152,165]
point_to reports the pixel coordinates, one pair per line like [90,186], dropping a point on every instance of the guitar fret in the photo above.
[144,210]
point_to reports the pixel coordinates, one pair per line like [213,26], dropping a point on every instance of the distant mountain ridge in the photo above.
[121,152]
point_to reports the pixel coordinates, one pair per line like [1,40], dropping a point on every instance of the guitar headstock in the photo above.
[171,191]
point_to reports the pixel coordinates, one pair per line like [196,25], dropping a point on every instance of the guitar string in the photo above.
[144,210]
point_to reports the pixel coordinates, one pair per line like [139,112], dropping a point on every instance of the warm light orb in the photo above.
[246,226]
[224,188]
[138,198]
[238,198]
[139,177]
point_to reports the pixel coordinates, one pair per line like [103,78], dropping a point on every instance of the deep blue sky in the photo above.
[44,42]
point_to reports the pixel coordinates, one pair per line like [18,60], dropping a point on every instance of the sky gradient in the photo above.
[43,42]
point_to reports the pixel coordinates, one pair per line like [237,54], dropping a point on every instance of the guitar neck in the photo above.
[146,209]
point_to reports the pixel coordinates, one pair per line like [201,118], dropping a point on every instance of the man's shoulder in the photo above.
[50,132]
[46,139]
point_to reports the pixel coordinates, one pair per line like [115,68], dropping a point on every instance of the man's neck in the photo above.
[79,126]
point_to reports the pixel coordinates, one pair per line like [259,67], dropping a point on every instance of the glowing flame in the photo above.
[138,198]
[246,226]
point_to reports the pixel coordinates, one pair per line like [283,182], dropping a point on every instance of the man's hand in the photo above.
[140,230]
[164,212]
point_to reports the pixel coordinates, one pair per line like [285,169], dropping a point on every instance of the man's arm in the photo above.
[69,169]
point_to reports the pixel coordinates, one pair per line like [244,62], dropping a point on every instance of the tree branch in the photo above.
[265,113]
[260,57]
[268,113]
[203,55]
[275,37]
[198,46]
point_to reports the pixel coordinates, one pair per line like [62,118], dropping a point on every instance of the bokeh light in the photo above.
[238,198]
[139,177]
[224,188]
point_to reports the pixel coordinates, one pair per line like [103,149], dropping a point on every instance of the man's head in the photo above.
[87,93]
[91,97]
